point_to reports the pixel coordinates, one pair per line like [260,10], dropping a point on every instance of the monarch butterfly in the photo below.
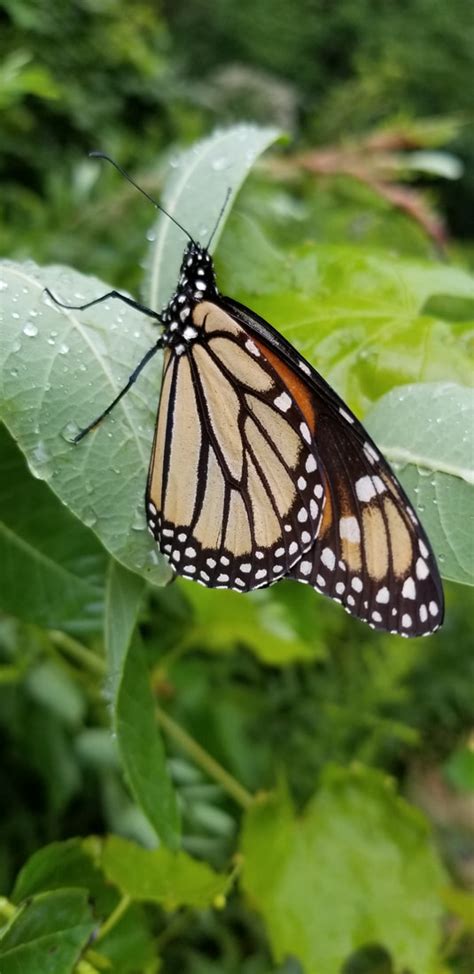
[259,471]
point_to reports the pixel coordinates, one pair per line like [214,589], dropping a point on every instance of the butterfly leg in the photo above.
[131,379]
[110,294]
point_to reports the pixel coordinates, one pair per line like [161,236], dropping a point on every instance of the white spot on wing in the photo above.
[409,589]
[305,432]
[328,558]
[283,402]
[252,348]
[365,489]
[349,529]
[346,415]
[422,570]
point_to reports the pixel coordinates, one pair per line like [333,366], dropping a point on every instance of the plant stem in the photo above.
[204,760]
[114,917]
[78,652]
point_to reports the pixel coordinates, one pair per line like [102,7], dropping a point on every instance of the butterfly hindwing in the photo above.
[234,495]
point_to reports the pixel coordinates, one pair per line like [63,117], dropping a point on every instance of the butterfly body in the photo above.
[259,471]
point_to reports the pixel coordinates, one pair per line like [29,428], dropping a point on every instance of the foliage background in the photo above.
[299,691]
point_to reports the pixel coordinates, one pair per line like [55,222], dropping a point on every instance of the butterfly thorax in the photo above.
[196,283]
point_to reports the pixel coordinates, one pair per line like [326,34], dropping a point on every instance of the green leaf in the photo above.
[124,596]
[57,866]
[47,934]
[58,370]
[360,317]
[357,868]
[259,621]
[459,769]
[59,562]
[195,194]
[50,685]
[139,742]
[426,431]
[160,876]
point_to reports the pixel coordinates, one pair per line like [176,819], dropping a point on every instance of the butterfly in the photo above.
[259,471]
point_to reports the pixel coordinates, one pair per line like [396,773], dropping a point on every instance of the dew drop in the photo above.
[89,517]
[3,285]
[16,347]
[30,329]
[139,523]
[63,349]
[40,463]
[15,313]
[70,431]
[221,163]
[151,235]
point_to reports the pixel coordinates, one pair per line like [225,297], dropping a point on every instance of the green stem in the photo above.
[114,917]
[201,757]
[78,652]
[204,760]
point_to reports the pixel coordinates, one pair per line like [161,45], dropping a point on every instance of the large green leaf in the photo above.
[139,742]
[47,934]
[427,433]
[161,876]
[51,567]
[58,369]
[357,868]
[195,193]
[367,321]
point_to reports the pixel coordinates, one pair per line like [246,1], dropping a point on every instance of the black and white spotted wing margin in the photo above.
[371,554]
[234,494]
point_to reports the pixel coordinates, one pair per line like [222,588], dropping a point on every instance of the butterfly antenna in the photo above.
[219,218]
[102,155]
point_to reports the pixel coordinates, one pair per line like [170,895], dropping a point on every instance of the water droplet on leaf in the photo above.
[30,329]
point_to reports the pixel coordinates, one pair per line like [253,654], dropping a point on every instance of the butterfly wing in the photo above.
[371,553]
[234,494]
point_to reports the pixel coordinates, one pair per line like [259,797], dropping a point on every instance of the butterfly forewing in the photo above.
[235,495]
[371,553]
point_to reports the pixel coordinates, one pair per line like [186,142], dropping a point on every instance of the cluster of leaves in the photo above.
[291,691]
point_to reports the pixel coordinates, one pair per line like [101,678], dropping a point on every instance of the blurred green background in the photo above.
[376,98]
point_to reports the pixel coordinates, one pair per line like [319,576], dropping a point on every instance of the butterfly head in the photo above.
[196,276]
[196,283]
